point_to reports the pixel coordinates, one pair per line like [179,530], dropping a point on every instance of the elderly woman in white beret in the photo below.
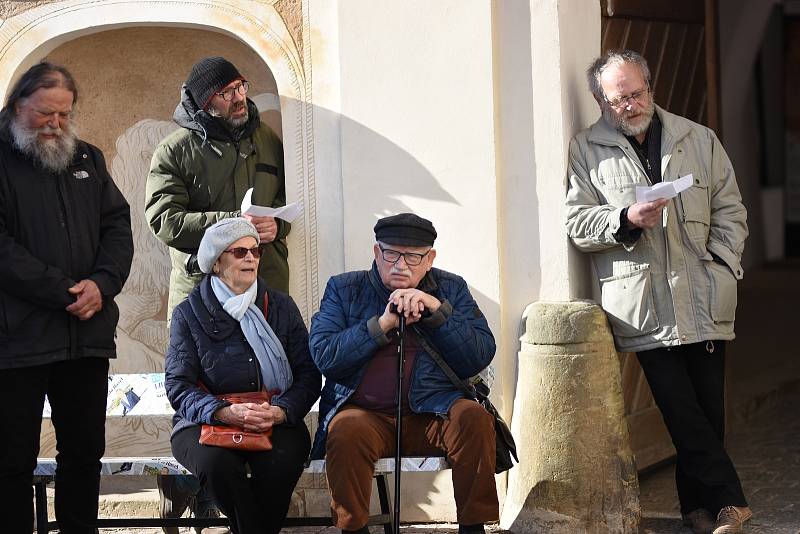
[222,342]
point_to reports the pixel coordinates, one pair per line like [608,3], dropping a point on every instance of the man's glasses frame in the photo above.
[241,88]
[241,252]
[411,258]
[623,100]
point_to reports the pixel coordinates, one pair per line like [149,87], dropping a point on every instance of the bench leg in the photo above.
[383,497]
[40,505]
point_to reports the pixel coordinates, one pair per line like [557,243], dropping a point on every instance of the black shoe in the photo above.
[172,500]
[471,529]
[362,530]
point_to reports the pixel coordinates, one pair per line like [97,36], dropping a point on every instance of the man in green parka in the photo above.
[200,174]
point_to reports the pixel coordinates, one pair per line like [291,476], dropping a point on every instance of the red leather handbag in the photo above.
[234,437]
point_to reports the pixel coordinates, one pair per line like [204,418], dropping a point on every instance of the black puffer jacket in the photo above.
[206,344]
[55,230]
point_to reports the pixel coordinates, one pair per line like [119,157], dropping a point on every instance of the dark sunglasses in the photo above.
[241,252]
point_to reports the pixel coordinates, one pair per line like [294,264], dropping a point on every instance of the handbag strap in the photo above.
[468,390]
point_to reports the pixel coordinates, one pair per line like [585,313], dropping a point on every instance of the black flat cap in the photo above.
[405,229]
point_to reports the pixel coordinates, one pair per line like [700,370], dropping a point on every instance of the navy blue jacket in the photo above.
[206,344]
[345,334]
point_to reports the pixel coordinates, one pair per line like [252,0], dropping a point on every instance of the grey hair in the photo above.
[613,57]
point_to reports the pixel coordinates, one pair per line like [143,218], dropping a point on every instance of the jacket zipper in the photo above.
[62,213]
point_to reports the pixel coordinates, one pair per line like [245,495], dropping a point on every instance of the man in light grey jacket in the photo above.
[667,269]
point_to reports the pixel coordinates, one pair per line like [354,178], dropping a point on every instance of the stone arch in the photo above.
[30,34]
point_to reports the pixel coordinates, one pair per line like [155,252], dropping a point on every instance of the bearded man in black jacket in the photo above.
[66,249]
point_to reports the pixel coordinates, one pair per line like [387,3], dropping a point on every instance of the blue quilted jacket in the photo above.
[345,334]
[206,344]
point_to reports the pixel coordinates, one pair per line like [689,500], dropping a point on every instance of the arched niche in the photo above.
[50,29]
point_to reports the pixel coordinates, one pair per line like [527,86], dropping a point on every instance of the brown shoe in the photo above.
[701,521]
[730,519]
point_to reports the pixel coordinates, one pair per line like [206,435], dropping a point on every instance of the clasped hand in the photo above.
[88,299]
[411,303]
[251,416]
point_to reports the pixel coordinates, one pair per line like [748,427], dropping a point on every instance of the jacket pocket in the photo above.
[695,215]
[723,292]
[628,301]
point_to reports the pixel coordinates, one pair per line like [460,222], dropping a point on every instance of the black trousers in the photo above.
[77,390]
[688,384]
[257,504]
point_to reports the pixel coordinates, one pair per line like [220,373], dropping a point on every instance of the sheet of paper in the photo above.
[663,189]
[288,212]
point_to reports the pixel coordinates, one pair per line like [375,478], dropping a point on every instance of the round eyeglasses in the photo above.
[393,256]
[241,88]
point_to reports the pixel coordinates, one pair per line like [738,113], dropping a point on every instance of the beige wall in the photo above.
[129,84]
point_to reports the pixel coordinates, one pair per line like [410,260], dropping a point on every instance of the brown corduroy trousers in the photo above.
[357,438]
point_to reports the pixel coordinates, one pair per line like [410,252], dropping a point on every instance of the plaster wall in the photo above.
[417,134]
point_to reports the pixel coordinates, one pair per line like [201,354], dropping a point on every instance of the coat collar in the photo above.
[674,128]
[213,319]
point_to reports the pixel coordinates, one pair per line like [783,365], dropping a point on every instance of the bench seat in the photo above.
[138,425]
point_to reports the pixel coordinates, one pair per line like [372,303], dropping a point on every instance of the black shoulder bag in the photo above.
[505,447]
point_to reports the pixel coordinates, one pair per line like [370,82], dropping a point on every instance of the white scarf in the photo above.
[276,373]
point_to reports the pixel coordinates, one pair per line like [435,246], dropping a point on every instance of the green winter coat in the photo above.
[664,288]
[198,176]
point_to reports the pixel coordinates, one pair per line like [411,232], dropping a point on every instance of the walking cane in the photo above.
[401,356]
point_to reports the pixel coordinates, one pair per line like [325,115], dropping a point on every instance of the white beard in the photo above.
[621,123]
[53,155]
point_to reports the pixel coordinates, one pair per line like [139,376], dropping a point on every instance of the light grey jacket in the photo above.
[664,288]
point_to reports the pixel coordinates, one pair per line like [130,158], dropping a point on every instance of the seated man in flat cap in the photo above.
[354,342]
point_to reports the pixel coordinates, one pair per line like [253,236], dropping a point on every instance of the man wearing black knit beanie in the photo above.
[199,175]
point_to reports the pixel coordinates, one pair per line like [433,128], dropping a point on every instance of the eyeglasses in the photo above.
[393,256]
[638,96]
[241,252]
[241,88]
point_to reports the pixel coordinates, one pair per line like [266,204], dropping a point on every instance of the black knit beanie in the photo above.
[208,76]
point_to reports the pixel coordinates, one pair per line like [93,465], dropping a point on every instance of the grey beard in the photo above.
[54,156]
[231,123]
[621,124]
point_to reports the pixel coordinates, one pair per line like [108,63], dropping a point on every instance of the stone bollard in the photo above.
[576,473]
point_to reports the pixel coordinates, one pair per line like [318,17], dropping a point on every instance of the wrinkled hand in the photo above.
[251,416]
[646,214]
[266,226]
[88,299]
[411,303]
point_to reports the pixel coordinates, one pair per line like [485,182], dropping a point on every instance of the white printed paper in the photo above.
[663,189]
[288,212]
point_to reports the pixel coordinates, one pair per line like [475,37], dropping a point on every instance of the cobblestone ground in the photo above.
[437,528]
[767,456]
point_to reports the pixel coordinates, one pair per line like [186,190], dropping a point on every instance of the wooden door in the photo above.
[679,40]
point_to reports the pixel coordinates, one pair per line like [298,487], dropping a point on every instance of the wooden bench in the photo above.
[137,407]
